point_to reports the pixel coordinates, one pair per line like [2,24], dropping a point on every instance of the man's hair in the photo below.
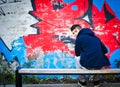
[75,26]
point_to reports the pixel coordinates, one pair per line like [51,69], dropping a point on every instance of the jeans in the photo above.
[84,78]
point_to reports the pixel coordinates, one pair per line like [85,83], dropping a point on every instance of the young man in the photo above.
[91,51]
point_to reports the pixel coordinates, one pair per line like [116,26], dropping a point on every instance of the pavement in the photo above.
[63,85]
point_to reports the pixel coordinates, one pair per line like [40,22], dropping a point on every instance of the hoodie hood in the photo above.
[86,31]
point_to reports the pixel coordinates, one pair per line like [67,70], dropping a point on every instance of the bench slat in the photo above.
[20,72]
[67,71]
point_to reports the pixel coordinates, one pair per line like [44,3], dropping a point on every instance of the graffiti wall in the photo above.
[35,33]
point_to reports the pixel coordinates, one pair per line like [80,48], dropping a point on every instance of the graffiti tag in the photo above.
[9,1]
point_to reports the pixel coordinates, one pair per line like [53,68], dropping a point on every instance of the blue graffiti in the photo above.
[55,60]
[4,50]
[69,1]
[115,59]
[59,60]
[114,4]
[98,3]
[74,7]
[17,52]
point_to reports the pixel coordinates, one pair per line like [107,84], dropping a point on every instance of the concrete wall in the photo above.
[35,33]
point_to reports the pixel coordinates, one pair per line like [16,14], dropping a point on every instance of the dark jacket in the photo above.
[91,50]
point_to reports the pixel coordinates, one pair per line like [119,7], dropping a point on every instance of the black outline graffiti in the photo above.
[33,25]
[88,13]
[7,1]
[14,1]
[108,15]
[3,1]
[2,12]
[57,5]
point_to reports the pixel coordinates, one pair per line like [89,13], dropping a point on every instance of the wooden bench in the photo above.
[34,71]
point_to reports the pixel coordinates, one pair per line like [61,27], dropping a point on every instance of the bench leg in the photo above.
[18,79]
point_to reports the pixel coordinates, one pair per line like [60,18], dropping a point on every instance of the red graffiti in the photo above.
[55,18]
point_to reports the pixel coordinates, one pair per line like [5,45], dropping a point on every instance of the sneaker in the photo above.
[82,84]
[96,83]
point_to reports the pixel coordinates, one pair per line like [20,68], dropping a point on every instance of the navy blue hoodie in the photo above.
[91,50]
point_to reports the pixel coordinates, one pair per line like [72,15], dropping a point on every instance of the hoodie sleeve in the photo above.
[77,47]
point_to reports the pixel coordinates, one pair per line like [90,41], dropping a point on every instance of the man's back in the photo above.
[88,46]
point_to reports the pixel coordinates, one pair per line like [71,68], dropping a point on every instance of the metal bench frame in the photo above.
[38,71]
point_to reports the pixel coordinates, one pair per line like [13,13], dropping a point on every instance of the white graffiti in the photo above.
[15,20]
